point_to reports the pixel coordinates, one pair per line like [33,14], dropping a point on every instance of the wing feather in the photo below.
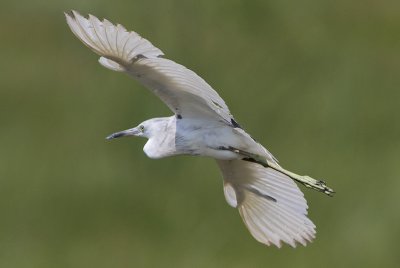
[271,205]
[182,90]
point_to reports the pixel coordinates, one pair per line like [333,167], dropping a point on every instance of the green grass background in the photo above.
[317,82]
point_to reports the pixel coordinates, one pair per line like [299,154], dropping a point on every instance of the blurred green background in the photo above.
[316,82]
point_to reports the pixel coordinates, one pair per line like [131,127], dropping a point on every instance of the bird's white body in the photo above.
[172,136]
[270,203]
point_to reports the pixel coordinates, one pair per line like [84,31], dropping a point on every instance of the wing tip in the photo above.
[69,13]
[73,14]
[96,34]
[270,235]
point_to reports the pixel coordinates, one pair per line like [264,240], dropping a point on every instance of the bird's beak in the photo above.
[128,132]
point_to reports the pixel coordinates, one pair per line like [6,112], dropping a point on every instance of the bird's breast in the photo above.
[159,148]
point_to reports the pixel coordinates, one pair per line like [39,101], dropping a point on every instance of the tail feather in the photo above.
[116,46]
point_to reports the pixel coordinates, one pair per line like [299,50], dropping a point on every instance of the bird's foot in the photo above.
[314,184]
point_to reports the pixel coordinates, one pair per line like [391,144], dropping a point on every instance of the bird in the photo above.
[272,206]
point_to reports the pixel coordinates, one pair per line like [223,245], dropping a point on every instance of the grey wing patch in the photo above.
[235,124]
[217,104]
[260,194]
[141,56]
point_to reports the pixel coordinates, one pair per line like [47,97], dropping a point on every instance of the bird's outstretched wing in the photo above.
[270,203]
[183,91]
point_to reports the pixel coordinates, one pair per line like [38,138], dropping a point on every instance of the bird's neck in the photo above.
[162,141]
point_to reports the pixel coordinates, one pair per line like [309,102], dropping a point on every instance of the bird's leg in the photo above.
[307,181]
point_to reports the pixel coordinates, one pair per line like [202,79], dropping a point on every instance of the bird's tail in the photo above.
[271,205]
[117,47]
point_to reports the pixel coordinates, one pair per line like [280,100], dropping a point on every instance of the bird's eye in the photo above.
[141,127]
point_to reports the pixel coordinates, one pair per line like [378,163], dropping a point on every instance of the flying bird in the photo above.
[270,203]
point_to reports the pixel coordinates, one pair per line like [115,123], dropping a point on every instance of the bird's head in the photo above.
[145,129]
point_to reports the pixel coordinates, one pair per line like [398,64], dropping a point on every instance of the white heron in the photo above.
[272,206]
